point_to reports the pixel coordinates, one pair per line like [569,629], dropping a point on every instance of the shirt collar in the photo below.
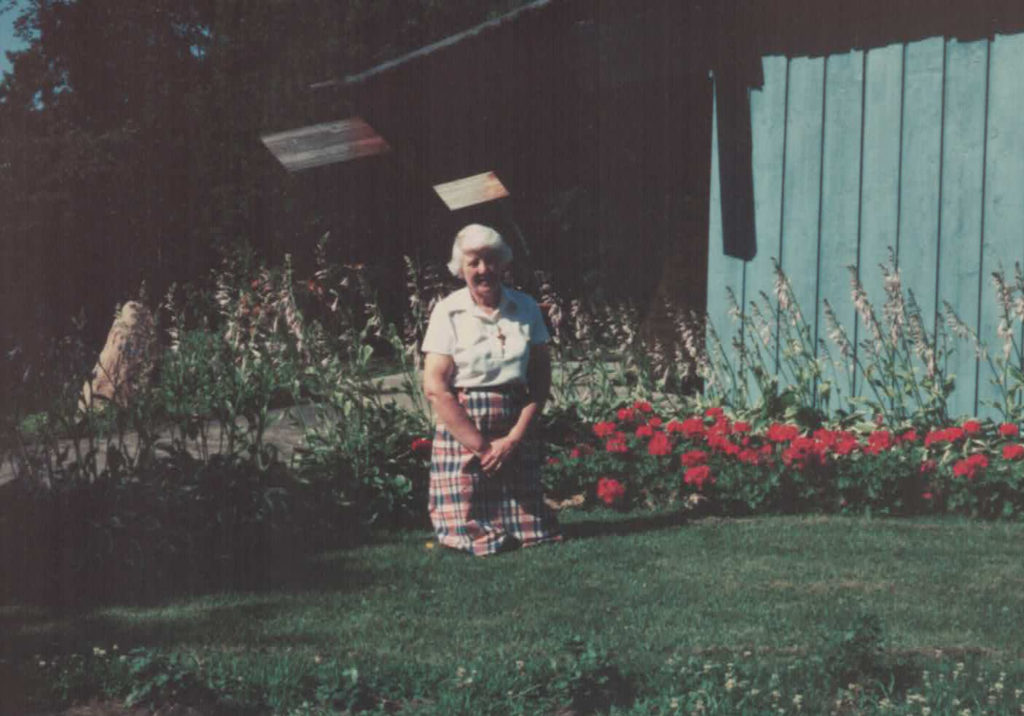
[506,306]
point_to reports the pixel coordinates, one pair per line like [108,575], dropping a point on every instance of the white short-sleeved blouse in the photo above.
[488,350]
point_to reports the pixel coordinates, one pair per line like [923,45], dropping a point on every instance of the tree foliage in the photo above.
[129,135]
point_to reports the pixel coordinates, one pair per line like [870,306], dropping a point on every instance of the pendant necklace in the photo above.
[501,339]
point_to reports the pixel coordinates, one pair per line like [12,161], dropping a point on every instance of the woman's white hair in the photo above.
[477,237]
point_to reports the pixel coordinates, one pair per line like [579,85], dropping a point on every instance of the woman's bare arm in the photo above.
[437,376]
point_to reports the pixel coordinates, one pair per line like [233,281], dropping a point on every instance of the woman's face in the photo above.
[482,271]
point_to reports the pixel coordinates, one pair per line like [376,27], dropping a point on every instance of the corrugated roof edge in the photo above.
[450,41]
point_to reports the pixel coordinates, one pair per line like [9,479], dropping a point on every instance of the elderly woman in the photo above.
[487,374]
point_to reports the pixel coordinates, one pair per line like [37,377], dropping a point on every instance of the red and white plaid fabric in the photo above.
[482,513]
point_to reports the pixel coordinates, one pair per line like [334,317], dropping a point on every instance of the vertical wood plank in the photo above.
[962,172]
[767,116]
[919,204]
[1004,193]
[724,272]
[881,166]
[839,206]
[803,182]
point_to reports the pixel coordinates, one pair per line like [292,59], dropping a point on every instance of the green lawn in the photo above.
[640,589]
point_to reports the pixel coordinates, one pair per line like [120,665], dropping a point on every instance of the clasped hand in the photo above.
[497,453]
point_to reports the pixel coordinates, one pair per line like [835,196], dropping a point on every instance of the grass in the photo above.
[639,588]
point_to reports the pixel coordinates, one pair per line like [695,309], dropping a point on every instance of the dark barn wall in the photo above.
[595,115]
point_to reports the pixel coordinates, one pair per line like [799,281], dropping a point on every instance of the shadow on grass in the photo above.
[624,525]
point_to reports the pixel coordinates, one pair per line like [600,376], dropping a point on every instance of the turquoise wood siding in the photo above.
[914,150]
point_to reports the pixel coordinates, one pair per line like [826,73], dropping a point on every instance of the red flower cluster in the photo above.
[617,443]
[693,458]
[421,446]
[642,406]
[689,428]
[605,429]
[698,476]
[878,442]
[610,491]
[840,442]
[1013,451]
[972,427]
[659,445]
[626,415]
[1009,430]
[804,452]
[760,456]
[645,431]
[779,433]
[943,435]
[971,466]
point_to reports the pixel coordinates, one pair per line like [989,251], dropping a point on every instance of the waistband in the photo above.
[507,388]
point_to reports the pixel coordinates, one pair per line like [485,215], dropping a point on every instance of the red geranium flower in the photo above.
[644,431]
[972,427]
[779,433]
[1009,430]
[804,452]
[947,435]
[692,427]
[969,467]
[698,476]
[626,414]
[610,491]
[659,445]
[717,441]
[695,457]
[878,441]
[643,406]
[741,427]
[422,446]
[909,436]
[604,429]
[715,412]
[1013,451]
[748,456]
[654,422]
[617,443]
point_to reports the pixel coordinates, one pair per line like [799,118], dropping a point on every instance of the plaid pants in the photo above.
[482,513]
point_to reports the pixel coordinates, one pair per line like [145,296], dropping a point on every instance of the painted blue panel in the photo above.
[937,174]
[724,272]
[839,207]
[1004,193]
[881,167]
[767,116]
[802,186]
[919,186]
[960,242]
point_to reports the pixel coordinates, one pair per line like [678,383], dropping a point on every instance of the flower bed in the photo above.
[639,457]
